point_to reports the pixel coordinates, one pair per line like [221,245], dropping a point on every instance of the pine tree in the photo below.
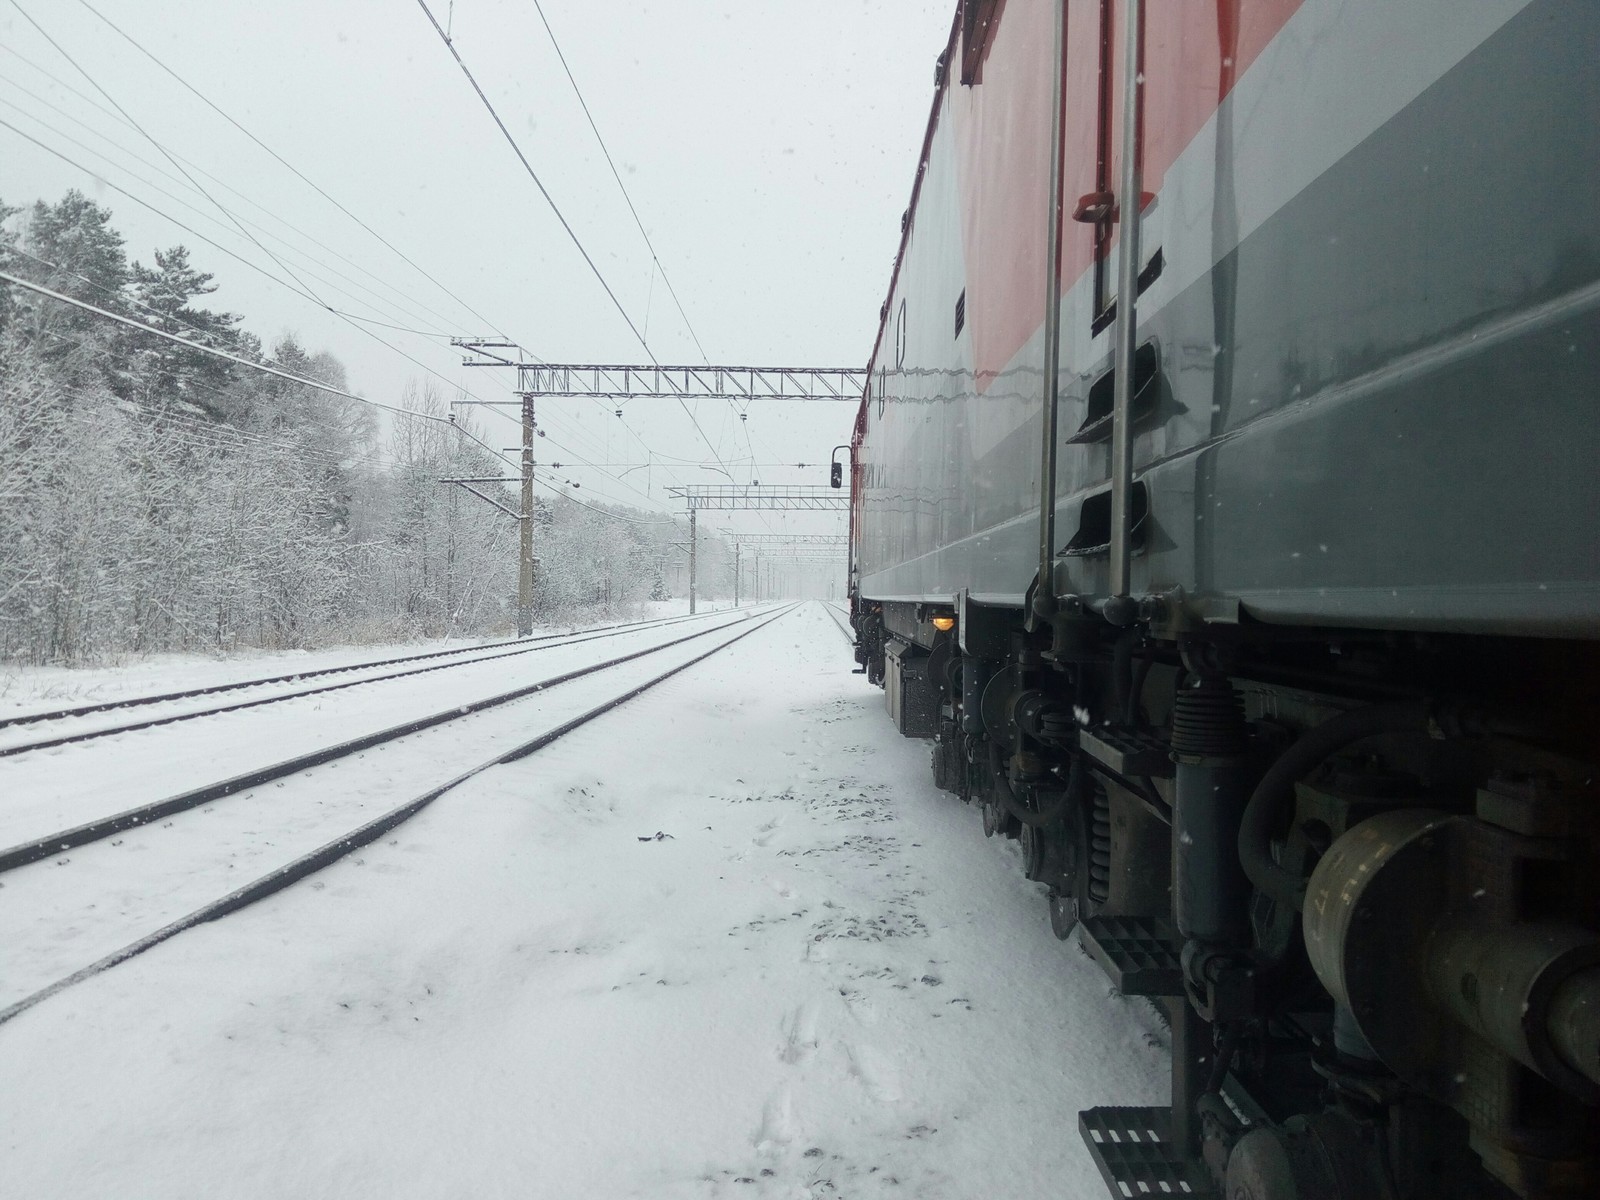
[169,373]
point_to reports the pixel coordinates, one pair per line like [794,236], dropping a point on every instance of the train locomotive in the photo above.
[1224,512]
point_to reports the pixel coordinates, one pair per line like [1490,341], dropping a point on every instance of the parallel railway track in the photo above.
[470,656]
[326,852]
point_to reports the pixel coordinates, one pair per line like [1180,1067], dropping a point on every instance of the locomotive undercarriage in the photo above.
[1356,869]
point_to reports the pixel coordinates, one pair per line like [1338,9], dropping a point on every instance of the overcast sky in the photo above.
[768,145]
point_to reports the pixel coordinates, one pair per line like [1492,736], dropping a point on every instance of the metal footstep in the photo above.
[1133,1149]
[1139,953]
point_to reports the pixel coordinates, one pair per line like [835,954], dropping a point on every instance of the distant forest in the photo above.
[154,498]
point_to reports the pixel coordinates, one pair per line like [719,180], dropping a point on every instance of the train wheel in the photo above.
[1032,842]
[991,817]
[997,822]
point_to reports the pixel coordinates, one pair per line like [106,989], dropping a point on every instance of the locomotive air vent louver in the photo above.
[1094,523]
[1096,425]
[961,312]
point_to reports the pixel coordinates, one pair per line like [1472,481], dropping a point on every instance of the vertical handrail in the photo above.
[1128,204]
[1044,593]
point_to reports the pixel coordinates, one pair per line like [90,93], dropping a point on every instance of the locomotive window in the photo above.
[961,312]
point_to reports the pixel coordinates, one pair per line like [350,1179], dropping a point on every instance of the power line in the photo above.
[223,209]
[405,300]
[543,191]
[304,289]
[189,229]
[532,174]
[618,177]
[579,458]
[286,163]
[275,279]
[29,285]
[16,4]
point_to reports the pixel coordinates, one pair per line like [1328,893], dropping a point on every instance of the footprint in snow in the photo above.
[778,1126]
[875,1072]
[799,1036]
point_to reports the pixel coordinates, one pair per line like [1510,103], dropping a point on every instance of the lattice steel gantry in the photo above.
[611,381]
[740,497]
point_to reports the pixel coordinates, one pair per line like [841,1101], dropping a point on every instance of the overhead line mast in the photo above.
[726,497]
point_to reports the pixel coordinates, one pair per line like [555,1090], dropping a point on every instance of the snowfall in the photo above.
[726,941]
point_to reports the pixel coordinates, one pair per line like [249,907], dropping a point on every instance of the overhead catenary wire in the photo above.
[191,231]
[268,274]
[220,207]
[303,289]
[554,208]
[404,303]
[615,174]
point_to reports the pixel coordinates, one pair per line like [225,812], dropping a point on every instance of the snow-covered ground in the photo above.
[821,982]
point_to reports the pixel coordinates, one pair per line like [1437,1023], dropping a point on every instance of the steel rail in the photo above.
[844,628]
[84,710]
[38,849]
[172,718]
[328,854]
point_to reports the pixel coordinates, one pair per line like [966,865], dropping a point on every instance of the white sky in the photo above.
[769,146]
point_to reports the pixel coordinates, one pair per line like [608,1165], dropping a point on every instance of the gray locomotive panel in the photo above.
[1378,408]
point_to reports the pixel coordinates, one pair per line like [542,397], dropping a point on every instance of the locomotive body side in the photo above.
[1373,317]
[1321,780]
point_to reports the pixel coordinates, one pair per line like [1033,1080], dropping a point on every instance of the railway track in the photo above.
[469,656]
[38,848]
[54,914]
[841,619]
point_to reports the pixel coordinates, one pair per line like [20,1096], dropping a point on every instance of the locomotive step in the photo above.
[1128,751]
[1134,1151]
[1138,953]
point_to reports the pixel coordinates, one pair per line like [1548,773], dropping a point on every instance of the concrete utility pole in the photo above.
[736,574]
[692,548]
[525,575]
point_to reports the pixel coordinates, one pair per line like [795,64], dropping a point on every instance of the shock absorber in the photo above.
[1099,885]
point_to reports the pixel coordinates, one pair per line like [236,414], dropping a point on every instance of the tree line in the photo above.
[156,498]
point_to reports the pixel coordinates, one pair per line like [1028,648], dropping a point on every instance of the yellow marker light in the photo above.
[945,623]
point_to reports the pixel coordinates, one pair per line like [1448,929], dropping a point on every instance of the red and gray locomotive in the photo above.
[1224,509]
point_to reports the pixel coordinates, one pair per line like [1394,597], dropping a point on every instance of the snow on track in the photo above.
[44,730]
[89,901]
[68,785]
[824,982]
